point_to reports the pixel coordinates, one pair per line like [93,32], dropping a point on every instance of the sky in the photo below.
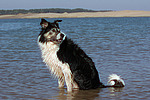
[87,4]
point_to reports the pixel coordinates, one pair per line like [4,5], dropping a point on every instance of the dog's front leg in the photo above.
[68,78]
[61,81]
[75,85]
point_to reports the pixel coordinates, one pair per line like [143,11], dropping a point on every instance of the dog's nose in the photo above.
[62,35]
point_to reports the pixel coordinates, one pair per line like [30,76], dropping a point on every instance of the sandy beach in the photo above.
[125,13]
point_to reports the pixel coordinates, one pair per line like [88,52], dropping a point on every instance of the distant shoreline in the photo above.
[125,13]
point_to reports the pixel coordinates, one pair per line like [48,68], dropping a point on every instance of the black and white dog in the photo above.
[68,62]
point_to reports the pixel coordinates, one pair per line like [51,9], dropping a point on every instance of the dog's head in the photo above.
[51,32]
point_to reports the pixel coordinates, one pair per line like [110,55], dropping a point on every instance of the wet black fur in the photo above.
[82,66]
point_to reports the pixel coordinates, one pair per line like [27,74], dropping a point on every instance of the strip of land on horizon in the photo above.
[125,13]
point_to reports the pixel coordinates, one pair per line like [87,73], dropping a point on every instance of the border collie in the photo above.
[68,62]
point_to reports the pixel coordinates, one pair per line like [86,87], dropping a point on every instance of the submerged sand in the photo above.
[125,13]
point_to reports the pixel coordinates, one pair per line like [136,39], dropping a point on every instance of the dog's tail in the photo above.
[115,81]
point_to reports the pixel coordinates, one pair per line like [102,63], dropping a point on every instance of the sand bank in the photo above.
[125,13]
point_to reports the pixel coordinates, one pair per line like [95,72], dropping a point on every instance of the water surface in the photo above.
[116,45]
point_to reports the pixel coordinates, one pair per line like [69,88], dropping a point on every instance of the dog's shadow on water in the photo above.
[84,94]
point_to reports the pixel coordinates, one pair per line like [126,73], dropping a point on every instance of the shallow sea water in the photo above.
[116,45]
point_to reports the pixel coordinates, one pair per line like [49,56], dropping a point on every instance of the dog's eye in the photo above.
[54,30]
[50,33]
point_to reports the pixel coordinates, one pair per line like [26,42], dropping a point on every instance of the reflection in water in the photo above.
[78,94]
[86,94]
[115,91]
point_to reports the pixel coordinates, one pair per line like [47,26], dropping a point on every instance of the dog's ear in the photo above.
[44,23]
[56,22]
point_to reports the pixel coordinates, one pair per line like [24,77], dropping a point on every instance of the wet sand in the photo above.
[125,13]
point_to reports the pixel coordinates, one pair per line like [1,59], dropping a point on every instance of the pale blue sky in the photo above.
[88,4]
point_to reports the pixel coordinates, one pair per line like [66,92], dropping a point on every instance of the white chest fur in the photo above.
[49,55]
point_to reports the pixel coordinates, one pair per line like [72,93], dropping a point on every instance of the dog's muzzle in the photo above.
[60,37]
